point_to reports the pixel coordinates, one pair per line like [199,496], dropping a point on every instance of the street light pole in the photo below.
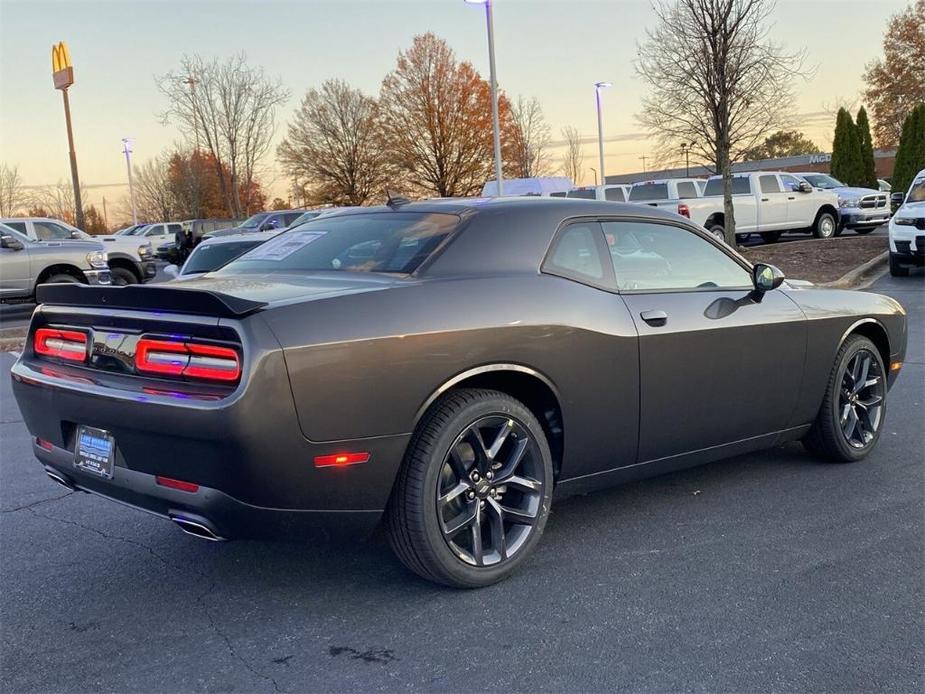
[686,148]
[127,150]
[62,73]
[594,171]
[598,86]
[495,121]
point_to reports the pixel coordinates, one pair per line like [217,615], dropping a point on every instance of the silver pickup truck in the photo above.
[25,264]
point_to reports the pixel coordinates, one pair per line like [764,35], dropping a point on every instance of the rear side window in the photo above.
[740,186]
[687,189]
[645,192]
[769,184]
[396,242]
[583,193]
[614,194]
[576,253]
[17,226]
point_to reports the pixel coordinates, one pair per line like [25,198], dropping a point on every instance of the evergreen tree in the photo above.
[868,169]
[846,150]
[910,156]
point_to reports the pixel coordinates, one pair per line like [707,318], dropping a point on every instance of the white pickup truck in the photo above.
[766,203]
[666,192]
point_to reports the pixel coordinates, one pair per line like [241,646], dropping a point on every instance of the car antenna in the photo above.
[394,200]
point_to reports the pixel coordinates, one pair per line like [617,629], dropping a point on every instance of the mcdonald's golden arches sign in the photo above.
[61,69]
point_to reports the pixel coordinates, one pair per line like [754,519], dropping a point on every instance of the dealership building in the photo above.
[821,163]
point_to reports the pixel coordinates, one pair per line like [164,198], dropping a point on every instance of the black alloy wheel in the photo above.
[473,493]
[860,401]
[851,417]
[490,490]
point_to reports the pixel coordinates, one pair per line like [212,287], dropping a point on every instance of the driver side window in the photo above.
[48,231]
[660,257]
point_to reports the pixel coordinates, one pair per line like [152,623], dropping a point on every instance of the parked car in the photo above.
[765,202]
[130,230]
[212,254]
[860,209]
[200,227]
[26,263]
[907,229]
[539,186]
[613,192]
[445,366]
[262,221]
[155,234]
[131,259]
[308,216]
[665,192]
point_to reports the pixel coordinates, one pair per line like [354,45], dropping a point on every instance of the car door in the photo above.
[801,207]
[717,363]
[15,268]
[772,204]
[744,203]
[50,231]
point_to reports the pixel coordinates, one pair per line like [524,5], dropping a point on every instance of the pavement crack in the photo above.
[29,507]
[200,598]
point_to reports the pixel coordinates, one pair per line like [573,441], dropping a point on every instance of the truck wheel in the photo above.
[825,226]
[771,236]
[122,276]
[62,278]
[897,269]
[718,230]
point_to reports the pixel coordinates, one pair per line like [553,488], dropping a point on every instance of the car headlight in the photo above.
[848,202]
[98,260]
[145,250]
[904,221]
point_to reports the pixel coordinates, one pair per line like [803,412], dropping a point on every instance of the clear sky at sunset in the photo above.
[554,50]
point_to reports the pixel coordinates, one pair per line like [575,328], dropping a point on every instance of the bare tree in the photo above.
[716,82]
[57,200]
[154,199]
[529,143]
[436,118]
[574,159]
[12,195]
[228,109]
[334,146]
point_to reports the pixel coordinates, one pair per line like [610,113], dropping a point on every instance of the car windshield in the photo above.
[394,242]
[644,192]
[211,256]
[136,231]
[823,181]
[255,220]
[583,193]
[917,191]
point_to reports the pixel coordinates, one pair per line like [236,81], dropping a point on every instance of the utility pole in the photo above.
[594,171]
[192,82]
[598,86]
[686,148]
[643,157]
[495,121]
[127,150]
[105,215]
[62,73]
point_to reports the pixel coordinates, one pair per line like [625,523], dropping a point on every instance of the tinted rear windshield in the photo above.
[649,191]
[740,186]
[367,242]
[213,255]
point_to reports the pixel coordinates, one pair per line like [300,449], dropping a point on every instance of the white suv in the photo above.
[907,229]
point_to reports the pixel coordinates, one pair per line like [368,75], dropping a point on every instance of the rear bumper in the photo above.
[227,517]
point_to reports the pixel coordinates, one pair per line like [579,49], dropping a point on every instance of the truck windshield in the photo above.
[645,192]
[255,220]
[395,242]
[823,181]
[917,191]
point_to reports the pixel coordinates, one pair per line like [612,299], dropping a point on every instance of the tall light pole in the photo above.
[495,124]
[598,86]
[127,150]
[686,148]
[594,171]
[62,73]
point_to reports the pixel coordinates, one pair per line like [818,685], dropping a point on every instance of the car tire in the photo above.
[718,230]
[864,230]
[122,276]
[62,278]
[850,419]
[825,226]
[443,499]
[897,269]
[771,236]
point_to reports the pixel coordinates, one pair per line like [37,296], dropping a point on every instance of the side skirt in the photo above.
[661,466]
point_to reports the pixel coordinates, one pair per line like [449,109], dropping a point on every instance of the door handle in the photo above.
[791,198]
[764,199]
[655,318]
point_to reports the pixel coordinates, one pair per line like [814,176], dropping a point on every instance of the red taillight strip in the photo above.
[62,344]
[208,362]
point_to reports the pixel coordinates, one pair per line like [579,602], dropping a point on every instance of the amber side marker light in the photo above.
[341,459]
[896,366]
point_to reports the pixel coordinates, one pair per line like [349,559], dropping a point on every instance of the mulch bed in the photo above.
[818,260]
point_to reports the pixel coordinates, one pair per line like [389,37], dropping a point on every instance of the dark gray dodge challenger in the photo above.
[446,367]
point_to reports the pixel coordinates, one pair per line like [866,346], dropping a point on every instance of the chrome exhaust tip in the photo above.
[196,528]
[60,479]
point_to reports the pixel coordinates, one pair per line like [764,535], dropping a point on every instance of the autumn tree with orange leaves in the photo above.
[896,84]
[436,120]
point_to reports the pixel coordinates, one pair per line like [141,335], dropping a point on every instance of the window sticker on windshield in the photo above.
[283,246]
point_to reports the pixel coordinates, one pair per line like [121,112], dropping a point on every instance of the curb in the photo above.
[853,278]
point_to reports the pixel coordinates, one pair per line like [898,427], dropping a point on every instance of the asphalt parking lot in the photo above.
[768,572]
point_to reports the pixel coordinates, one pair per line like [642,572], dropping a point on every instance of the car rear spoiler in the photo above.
[148,298]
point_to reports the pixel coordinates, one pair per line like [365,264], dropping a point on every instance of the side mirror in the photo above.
[7,241]
[272,224]
[172,270]
[74,235]
[804,187]
[897,199]
[766,277]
